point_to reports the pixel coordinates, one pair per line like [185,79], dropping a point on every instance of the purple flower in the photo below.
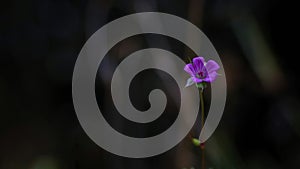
[201,71]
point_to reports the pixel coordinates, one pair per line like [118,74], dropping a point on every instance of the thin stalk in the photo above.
[202,124]
[189,59]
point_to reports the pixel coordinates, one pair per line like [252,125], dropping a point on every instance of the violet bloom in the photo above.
[201,71]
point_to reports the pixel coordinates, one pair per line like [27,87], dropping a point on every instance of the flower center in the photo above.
[201,74]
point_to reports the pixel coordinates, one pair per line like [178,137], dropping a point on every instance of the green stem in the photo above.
[202,107]
[190,60]
[202,124]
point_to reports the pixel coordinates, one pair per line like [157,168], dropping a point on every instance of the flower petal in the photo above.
[189,82]
[211,76]
[197,80]
[189,68]
[212,66]
[198,63]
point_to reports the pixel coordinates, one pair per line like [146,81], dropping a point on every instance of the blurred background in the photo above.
[41,39]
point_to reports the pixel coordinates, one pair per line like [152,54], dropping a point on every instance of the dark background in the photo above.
[40,41]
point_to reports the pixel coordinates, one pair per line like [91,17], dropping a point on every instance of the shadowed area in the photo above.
[40,42]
